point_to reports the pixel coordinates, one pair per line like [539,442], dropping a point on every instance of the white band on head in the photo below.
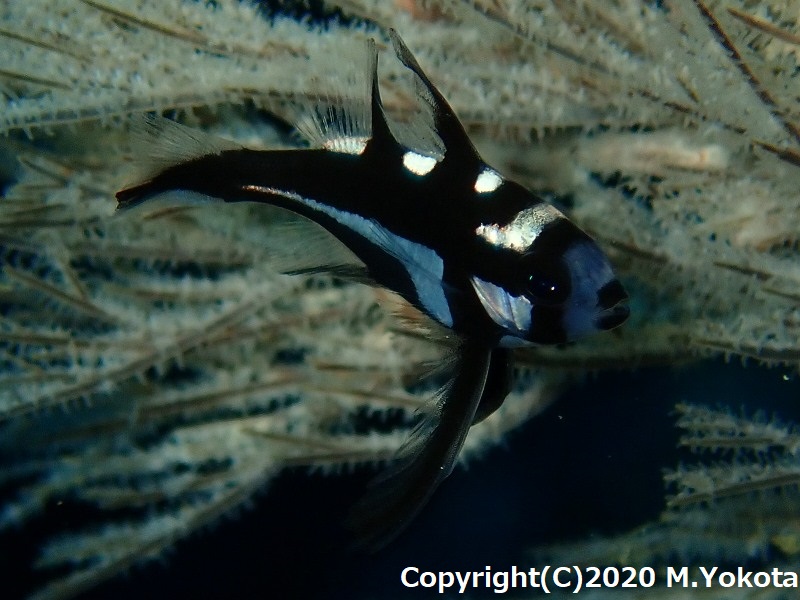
[523,230]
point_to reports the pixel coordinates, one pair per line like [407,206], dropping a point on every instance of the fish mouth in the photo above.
[612,302]
[612,317]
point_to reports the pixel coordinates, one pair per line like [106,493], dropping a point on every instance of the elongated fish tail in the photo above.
[174,185]
[134,196]
[160,144]
[179,187]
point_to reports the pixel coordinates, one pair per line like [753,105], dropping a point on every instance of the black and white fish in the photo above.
[475,252]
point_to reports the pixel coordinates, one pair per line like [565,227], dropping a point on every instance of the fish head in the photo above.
[551,282]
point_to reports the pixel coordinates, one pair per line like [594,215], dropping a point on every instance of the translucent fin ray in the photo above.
[446,124]
[427,458]
[160,143]
[341,120]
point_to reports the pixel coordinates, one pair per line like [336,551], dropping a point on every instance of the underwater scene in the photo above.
[400,298]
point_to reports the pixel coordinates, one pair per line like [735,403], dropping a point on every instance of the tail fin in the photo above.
[159,144]
[133,196]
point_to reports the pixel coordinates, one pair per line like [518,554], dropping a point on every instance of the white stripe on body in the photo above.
[425,268]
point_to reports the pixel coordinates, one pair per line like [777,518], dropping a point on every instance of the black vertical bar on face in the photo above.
[397,496]
[611,294]
[547,325]
[498,383]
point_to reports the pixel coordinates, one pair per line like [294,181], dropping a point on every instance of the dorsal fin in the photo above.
[350,112]
[447,127]
[341,120]
[381,133]
[419,132]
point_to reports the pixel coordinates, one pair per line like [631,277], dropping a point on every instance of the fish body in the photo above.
[477,253]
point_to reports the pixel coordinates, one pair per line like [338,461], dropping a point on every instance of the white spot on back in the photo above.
[419,164]
[346,145]
[523,230]
[488,181]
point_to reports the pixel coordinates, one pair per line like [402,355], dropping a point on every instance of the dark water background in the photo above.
[590,465]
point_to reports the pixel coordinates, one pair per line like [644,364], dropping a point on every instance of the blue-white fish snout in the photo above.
[597,302]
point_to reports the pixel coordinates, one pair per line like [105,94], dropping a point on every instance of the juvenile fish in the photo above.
[475,252]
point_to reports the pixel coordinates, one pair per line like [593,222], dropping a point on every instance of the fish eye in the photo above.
[548,282]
